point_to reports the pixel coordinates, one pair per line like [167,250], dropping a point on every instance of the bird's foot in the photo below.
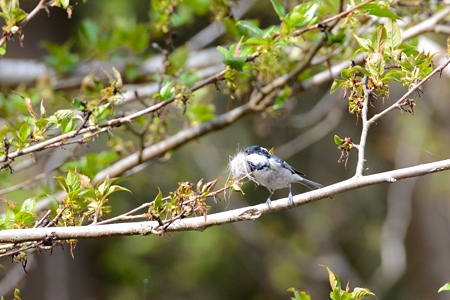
[291,199]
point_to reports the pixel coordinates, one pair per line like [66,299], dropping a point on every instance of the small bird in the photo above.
[268,170]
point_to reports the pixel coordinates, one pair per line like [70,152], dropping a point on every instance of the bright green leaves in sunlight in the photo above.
[271,51]
[279,8]
[233,57]
[337,292]
[82,199]
[12,14]
[66,120]
[387,59]
[19,215]
[300,16]
[36,126]
[379,10]
[97,99]
[166,92]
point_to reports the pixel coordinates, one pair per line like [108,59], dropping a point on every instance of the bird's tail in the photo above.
[309,184]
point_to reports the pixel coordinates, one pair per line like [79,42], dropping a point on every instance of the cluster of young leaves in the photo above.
[167,15]
[97,99]
[185,201]
[19,216]
[337,292]
[36,127]
[262,49]
[83,200]
[12,15]
[96,103]
[344,145]
[387,59]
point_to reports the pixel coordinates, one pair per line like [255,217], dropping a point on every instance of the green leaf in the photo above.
[250,27]
[299,295]
[279,8]
[64,114]
[364,43]
[379,39]
[115,188]
[236,63]
[3,49]
[375,64]
[64,3]
[28,205]
[200,113]
[178,58]
[339,294]
[281,98]
[338,141]
[167,91]
[445,287]
[67,125]
[393,35]
[16,294]
[24,219]
[157,203]
[359,293]
[18,15]
[347,73]
[223,51]
[376,10]
[78,104]
[60,57]
[337,84]
[63,183]
[335,282]
[308,11]
[73,180]
[257,41]
[89,30]
[362,70]
[24,132]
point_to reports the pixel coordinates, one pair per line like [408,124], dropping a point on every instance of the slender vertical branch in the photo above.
[365,130]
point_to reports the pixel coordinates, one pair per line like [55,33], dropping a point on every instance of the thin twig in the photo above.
[33,13]
[365,130]
[398,103]
[331,19]
[124,216]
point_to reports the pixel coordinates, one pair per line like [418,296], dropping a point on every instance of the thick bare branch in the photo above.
[236,215]
[173,142]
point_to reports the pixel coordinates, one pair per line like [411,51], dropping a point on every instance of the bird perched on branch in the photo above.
[268,170]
